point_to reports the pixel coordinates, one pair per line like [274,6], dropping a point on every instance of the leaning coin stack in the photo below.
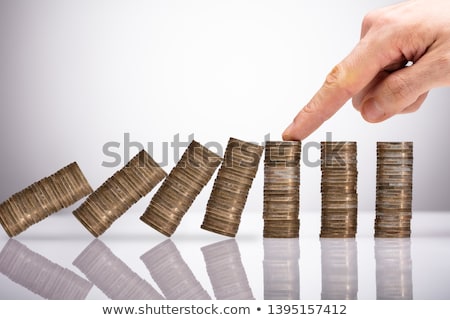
[180,189]
[119,193]
[394,189]
[339,189]
[281,189]
[43,198]
[231,187]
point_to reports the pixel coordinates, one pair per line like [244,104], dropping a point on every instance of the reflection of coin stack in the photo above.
[172,274]
[119,193]
[113,276]
[43,198]
[231,187]
[179,190]
[281,189]
[394,189]
[339,189]
[40,275]
[226,271]
[394,269]
[281,269]
[339,269]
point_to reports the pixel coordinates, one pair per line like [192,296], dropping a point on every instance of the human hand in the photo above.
[404,52]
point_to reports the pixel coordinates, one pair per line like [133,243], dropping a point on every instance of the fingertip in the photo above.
[292,133]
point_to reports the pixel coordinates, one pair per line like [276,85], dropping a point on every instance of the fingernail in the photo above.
[287,132]
[372,111]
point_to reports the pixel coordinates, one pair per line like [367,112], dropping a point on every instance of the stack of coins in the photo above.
[281,189]
[172,274]
[281,269]
[119,193]
[231,187]
[180,189]
[394,189]
[339,189]
[393,269]
[112,275]
[43,198]
[40,275]
[226,271]
[339,269]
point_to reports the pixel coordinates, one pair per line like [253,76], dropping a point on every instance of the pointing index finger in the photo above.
[343,82]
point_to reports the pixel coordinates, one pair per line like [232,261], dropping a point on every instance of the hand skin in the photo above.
[375,73]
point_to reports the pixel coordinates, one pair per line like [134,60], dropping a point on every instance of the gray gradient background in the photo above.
[76,74]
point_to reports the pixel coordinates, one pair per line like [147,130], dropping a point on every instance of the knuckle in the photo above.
[398,88]
[337,79]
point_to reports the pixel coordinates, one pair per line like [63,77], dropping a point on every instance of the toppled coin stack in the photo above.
[339,189]
[43,198]
[394,189]
[115,196]
[231,187]
[281,189]
[180,189]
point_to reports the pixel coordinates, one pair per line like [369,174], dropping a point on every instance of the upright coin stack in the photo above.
[339,189]
[119,193]
[180,189]
[281,189]
[231,187]
[394,189]
[43,198]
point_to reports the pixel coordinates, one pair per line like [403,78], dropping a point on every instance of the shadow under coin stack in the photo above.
[339,190]
[179,190]
[43,198]
[119,193]
[281,189]
[394,189]
[231,187]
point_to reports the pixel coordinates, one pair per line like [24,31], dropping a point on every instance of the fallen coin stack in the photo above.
[339,189]
[179,190]
[231,187]
[115,196]
[281,189]
[43,198]
[394,189]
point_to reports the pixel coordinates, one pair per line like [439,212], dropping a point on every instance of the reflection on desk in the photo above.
[113,276]
[226,271]
[172,274]
[281,269]
[394,269]
[339,269]
[40,275]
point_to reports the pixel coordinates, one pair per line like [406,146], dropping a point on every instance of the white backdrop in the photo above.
[78,74]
